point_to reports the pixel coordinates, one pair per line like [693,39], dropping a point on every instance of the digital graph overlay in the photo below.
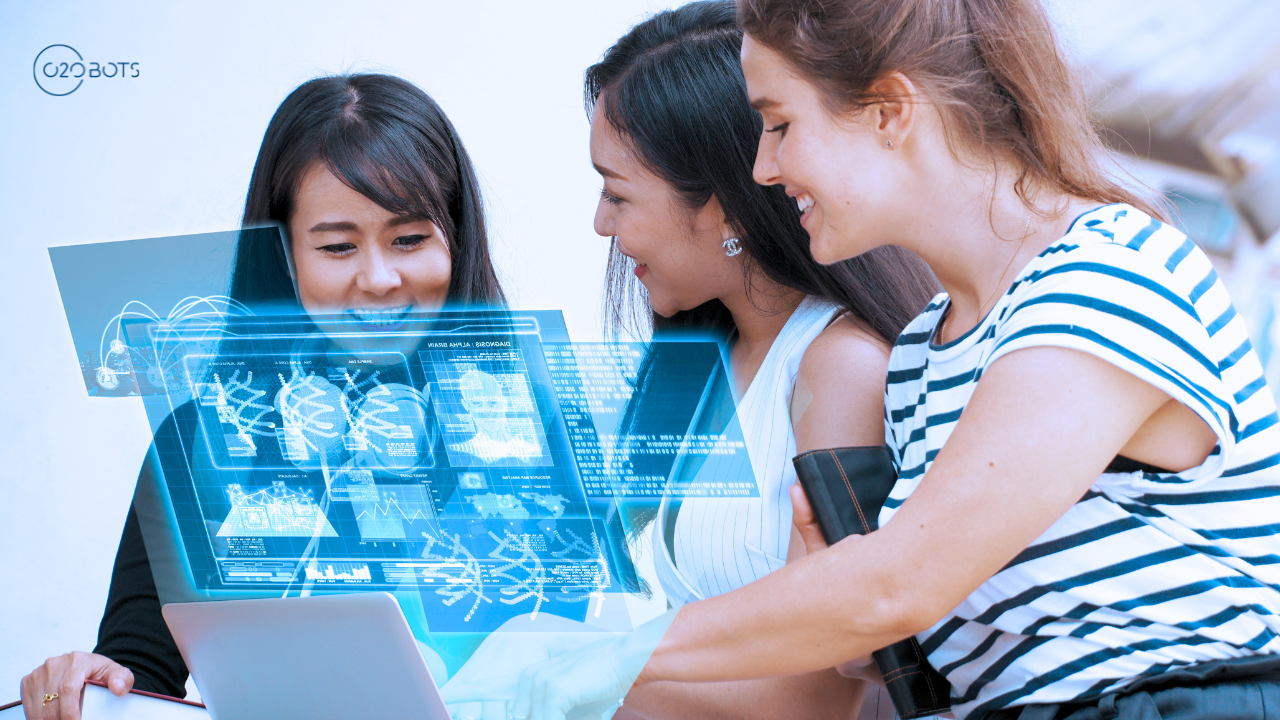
[295,458]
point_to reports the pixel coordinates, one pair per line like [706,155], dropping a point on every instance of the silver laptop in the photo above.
[324,657]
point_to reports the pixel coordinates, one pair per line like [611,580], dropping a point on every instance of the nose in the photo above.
[765,171]
[604,224]
[378,274]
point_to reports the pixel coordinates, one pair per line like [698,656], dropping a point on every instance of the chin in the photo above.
[824,253]
[827,249]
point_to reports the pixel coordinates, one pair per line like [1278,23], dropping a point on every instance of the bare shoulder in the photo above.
[847,353]
[839,394]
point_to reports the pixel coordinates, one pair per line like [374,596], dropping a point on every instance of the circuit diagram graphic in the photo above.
[128,369]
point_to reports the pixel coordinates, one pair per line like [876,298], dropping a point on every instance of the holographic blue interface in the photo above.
[472,458]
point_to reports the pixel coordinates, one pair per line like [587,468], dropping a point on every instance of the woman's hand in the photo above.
[805,522]
[64,676]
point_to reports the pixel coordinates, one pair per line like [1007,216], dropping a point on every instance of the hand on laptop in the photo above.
[52,691]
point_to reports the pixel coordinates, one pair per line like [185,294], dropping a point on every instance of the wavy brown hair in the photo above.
[993,68]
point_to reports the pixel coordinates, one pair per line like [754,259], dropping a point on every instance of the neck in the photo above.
[760,317]
[979,233]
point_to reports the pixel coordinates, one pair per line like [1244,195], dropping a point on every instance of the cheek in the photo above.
[427,276]
[321,285]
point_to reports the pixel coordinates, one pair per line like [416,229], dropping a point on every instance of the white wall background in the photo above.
[170,152]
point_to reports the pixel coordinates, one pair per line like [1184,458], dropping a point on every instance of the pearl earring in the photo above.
[888,144]
[731,247]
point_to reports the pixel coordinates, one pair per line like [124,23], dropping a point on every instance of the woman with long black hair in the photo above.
[673,137]
[383,216]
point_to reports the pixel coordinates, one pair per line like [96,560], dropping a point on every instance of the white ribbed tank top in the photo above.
[724,543]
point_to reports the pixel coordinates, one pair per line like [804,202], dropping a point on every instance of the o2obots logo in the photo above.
[60,70]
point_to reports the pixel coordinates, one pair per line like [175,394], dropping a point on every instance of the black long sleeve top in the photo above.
[133,632]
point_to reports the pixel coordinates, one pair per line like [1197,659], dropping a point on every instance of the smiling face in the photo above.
[353,257]
[679,254]
[837,169]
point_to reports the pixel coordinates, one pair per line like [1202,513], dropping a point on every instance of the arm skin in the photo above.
[1023,452]
[849,365]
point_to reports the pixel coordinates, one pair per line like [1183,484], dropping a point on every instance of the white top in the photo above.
[724,543]
[1148,572]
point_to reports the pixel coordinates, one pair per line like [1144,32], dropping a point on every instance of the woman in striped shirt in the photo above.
[1084,523]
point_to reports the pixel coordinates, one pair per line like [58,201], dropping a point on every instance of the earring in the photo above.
[731,247]
[888,144]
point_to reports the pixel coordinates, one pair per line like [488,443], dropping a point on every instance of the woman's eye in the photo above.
[780,127]
[609,197]
[410,240]
[337,248]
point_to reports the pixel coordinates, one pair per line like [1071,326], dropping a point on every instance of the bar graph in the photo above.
[336,572]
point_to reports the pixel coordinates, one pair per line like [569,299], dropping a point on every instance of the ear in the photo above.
[893,116]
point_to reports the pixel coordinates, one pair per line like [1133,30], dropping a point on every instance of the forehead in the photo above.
[607,146]
[611,151]
[771,81]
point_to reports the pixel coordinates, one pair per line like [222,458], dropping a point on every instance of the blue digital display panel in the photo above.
[648,420]
[305,456]
[473,459]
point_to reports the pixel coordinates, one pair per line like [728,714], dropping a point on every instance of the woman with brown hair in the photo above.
[1088,456]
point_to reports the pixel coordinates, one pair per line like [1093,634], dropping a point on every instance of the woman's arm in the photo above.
[838,401]
[839,394]
[822,695]
[133,632]
[1024,451]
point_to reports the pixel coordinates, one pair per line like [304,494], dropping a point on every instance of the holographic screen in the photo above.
[478,464]
[170,278]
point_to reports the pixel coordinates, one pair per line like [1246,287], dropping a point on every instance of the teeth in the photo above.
[804,202]
[380,317]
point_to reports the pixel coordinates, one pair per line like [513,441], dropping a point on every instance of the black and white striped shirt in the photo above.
[1148,572]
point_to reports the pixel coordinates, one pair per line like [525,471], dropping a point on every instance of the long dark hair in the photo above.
[386,139]
[673,89]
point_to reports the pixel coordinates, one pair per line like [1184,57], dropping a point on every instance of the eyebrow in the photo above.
[608,173]
[399,220]
[764,103]
[348,226]
[340,226]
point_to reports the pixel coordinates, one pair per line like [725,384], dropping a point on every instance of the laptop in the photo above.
[320,657]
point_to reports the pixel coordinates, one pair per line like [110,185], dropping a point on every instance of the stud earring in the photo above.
[888,144]
[731,247]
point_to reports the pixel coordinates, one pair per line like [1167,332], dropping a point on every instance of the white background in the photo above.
[170,153]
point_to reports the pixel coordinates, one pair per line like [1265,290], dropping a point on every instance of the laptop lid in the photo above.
[318,657]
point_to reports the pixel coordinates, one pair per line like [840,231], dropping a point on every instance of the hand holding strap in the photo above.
[847,487]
